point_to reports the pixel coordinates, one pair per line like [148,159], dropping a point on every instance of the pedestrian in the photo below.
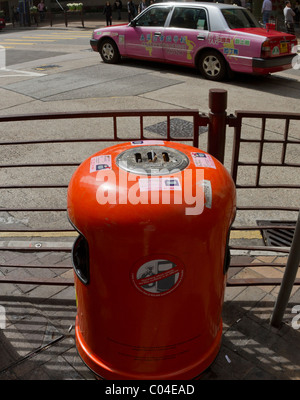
[266,11]
[131,10]
[297,13]
[142,6]
[21,12]
[289,17]
[118,8]
[108,13]
[41,9]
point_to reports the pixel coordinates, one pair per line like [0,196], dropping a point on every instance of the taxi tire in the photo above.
[212,65]
[109,51]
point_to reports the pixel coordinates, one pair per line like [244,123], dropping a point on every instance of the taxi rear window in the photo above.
[189,18]
[239,18]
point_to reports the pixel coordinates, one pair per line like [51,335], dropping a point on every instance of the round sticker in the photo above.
[157,277]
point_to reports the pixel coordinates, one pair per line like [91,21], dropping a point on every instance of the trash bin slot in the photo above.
[151,156]
[166,157]
[80,259]
[138,157]
[152,160]
[227,259]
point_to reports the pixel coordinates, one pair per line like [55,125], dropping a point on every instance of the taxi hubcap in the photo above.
[211,65]
[108,51]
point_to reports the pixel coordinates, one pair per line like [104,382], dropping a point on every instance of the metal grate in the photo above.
[179,128]
[277,233]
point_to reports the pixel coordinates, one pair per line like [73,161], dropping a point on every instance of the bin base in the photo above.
[103,371]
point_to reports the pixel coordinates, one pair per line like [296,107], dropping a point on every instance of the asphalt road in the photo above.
[55,70]
[47,51]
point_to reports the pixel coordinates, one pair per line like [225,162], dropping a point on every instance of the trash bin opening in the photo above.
[80,259]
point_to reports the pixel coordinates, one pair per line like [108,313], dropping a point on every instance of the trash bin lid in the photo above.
[152,160]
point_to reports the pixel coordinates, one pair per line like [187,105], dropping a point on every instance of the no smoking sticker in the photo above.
[203,160]
[99,163]
[157,277]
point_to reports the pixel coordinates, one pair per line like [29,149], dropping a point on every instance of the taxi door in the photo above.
[144,36]
[186,33]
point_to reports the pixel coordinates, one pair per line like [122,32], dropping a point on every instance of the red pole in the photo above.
[217,123]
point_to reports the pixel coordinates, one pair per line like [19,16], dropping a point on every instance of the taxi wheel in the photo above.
[109,51]
[212,66]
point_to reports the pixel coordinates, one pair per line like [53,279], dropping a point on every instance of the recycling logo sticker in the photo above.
[157,277]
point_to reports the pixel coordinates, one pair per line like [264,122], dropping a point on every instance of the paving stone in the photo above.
[72,357]
[8,375]
[44,292]
[230,364]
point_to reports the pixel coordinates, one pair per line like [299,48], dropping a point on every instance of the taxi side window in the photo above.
[202,20]
[189,18]
[154,17]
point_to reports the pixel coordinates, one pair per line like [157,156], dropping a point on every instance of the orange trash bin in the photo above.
[151,259]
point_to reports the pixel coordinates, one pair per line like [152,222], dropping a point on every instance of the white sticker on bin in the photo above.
[99,163]
[203,160]
[151,184]
[206,185]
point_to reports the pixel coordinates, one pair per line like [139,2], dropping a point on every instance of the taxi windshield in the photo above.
[239,18]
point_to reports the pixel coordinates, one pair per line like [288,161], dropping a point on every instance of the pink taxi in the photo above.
[215,38]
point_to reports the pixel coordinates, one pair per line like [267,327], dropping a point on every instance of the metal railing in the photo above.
[258,164]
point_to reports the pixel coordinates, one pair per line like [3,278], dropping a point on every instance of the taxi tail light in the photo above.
[266,49]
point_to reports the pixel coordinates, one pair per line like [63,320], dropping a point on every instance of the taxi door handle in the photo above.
[199,37]
[157,33]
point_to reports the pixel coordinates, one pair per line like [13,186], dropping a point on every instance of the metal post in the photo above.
[82,20]
[217,123]
[288,278]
